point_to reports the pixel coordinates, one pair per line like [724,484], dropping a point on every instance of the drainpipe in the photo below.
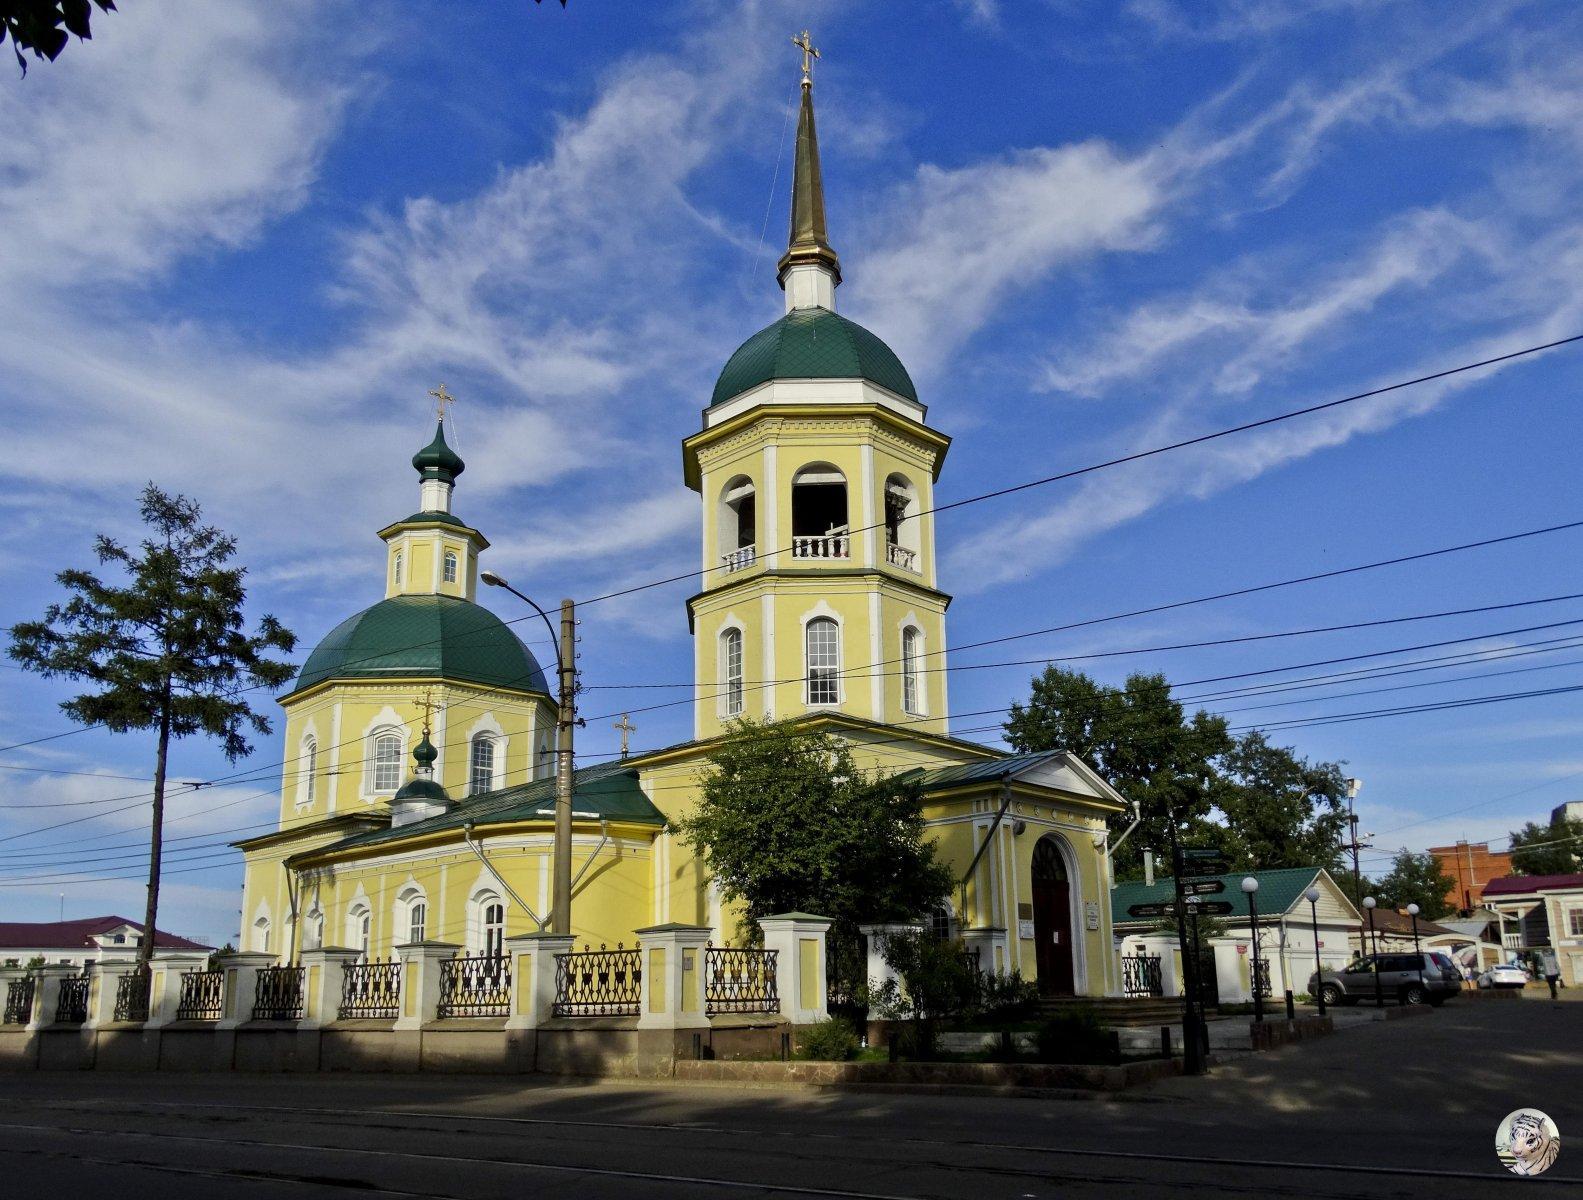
[1110,851]
[476,848]
[1005,804]
[604,836]
[291,899]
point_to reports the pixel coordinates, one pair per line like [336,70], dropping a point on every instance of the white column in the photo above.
[799,942]
[775,538]
[672,995]
[241,984]
[324,972]
[420,981]
[869,510]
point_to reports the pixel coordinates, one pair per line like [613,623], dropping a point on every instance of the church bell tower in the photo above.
[817,474]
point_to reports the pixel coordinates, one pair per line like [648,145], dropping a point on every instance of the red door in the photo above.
[1052,920]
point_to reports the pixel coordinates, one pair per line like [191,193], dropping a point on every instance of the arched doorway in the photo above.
[1052,919]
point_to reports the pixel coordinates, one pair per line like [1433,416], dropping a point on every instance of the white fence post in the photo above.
[241,984]
[672,994]
[165,988]
[799,942]
[420,981]
[323,970]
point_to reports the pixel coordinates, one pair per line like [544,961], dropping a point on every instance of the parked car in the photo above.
[1504,975]
[1405,978]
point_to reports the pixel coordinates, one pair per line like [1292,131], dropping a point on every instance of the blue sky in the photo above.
[240,246]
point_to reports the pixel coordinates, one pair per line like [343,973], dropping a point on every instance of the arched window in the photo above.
[941,925]
[358,923]
[307,767]
[450,566]
[738,524]
[384,757]
[901,523]
[731,671]
[546,757]
[819,520]
[481,775]
[261,935]
[417,920]
[313,929]
[491,927]
[911,653]
[398,568]
[823,638]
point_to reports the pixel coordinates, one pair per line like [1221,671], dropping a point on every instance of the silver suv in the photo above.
[1406,978]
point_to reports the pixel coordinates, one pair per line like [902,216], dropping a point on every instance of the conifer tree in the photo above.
[163,649]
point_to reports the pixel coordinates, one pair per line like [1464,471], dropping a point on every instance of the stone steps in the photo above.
[1116,1010]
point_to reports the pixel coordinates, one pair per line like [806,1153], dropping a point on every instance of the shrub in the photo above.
[1075,1037]
[1005,998]
[832,1040]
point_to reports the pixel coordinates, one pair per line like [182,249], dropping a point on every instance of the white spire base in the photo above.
[435,496]
[809,285]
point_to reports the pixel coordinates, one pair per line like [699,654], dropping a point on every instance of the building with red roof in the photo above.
[78,942]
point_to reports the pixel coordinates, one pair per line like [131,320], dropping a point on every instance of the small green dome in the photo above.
[812,343]
[437,460]
[421,789]
[443,637]
[424,753]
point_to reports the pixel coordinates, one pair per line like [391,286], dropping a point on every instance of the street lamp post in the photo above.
[1374,959]
[1250,887]
[566,718]
[1312,896]
[1413,910]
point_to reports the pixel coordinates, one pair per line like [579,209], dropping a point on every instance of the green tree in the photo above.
[45,26]
[1416,879]
[1553,849]
[164,650]
[1279,810]
[1137,738]
[787,822]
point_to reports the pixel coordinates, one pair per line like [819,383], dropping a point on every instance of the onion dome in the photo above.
[437,460]
[812,343]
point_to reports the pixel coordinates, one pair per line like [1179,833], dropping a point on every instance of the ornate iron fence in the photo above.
[599,983]
[19,1000]
[846,976]
[278,995]
[202,996]
[1261,977]
[371,989]
[740,980]
[131,994]
[974,957]
[1140,975]
[475,987]
[72,1008]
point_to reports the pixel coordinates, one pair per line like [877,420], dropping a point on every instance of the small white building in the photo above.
[78,942]
[1541,913]
[1291,932]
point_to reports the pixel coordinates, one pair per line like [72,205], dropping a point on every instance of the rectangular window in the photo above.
[450,567]
[1575,922]
[731,651]
[482,778]
[387,763]
[416,916]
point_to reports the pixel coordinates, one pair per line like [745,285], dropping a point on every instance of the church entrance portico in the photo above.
[1053,927]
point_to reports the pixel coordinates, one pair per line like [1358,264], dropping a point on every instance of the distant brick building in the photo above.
[1471,865]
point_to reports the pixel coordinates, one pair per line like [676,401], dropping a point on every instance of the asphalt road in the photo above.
[1401,1109]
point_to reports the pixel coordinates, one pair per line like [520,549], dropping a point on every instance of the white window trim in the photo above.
[451,566]
[410,895]
[723,699]
[824,612]
[386,722]
[307,768]
[487,726]
[914,665]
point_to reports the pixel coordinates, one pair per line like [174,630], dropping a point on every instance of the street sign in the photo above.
[1203,887]
[1151,910]
[1213,908]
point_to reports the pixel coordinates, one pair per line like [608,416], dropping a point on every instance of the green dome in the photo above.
[437,460]
[440,636]
[422,789]
[812,343]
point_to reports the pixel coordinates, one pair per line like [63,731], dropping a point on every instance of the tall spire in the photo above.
[809,270]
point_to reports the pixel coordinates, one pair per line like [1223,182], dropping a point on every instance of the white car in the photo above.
[1506,975]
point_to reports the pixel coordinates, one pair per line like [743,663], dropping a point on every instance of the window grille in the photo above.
[910,638]
[731,652]
[824,661]
[387,762]
[483,765]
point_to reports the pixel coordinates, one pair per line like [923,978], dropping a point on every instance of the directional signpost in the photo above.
[1204,908]
[1204,887]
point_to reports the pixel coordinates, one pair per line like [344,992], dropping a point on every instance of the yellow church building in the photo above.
[418,792]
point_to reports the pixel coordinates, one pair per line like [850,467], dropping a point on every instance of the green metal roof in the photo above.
[981,772]
[607,792]
[812,343]
[443,518]
[440,636]
[1278,891]
[437,460]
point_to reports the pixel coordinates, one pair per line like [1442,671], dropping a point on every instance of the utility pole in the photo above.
[561,910]
[1354,845]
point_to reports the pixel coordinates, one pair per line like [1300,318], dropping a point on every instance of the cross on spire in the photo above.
[809,53]
[426,702]
[627,729]
[442,400]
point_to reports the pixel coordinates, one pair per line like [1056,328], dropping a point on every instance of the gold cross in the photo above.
[426,703]
[627,729]
[805,44]
[442,398]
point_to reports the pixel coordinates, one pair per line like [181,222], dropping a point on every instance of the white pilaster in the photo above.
[673,976]
[800,980]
